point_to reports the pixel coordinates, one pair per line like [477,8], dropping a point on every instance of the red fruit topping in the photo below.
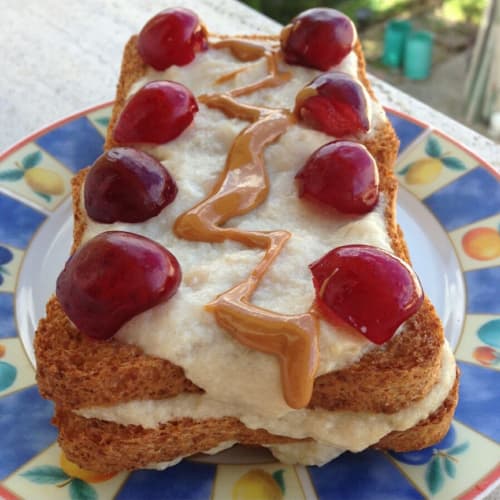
[319,38]
[341,174]
[127,185]
[334,103]
[173,36]
[157,113]
[368,288]
[112,278]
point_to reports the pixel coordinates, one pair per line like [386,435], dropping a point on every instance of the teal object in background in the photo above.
[395,35]
[418,55]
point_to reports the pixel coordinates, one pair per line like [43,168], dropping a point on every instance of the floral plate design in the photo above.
[448,204]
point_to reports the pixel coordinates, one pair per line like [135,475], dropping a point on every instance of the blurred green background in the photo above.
[454,10]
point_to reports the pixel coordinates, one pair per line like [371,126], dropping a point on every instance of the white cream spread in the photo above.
[164,465]
[239,381]
[181,330]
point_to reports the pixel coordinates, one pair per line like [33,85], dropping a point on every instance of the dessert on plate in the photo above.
[237,272]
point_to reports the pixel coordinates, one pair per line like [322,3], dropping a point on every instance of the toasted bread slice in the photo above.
[76,372]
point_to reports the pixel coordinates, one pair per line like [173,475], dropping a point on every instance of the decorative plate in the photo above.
[449,204]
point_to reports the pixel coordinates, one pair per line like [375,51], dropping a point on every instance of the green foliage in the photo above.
[464,10]
[434,475]
[32,160]
[103,120]
[450,467]
[46,197]
[45,474]
[457,450]
[278,477]
[433,147]
[11,175]
[453,163]
[8,375]
[405,169]
[80,490]
[284,10]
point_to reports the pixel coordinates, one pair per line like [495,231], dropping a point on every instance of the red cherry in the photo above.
[127,185]
[112,278]
[173,36]
[157,113]
[368,288]
[334,103]
[319,38]
[342,174]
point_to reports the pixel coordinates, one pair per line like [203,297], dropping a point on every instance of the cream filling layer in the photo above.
[342,430]
[305,453]
[213,451]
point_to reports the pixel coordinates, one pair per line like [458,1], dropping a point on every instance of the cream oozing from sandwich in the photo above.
[240,381]
[331,432]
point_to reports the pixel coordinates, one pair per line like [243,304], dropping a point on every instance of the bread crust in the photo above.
[426,432]
[76,372]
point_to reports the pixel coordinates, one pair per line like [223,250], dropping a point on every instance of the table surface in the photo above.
[60,57]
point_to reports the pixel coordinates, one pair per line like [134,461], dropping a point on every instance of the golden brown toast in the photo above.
[77,372]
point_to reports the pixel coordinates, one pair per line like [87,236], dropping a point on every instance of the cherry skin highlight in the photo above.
[172,37]
[127,185]
[367,288]
[319,38]
[158,113]
[335,104]
[112,278]
[341,174]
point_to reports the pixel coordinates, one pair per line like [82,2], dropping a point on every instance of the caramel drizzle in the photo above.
[241,187]
[229,76]
[247,51]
